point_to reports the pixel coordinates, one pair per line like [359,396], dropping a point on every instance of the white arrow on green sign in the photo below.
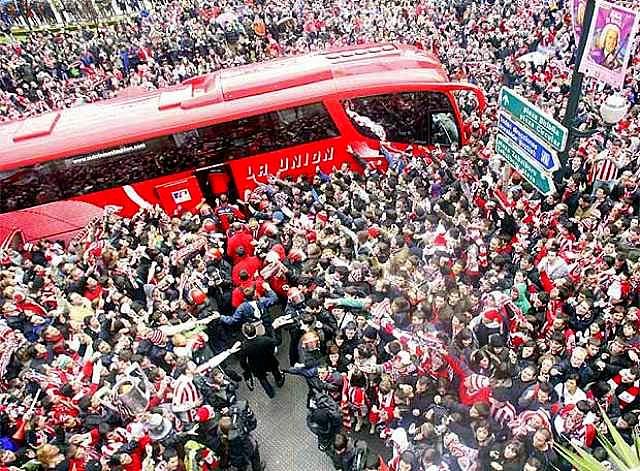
[508,150]
[543,125]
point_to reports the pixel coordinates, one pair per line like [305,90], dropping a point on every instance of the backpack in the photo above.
[322,401]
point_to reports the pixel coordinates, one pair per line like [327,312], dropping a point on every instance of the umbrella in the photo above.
[537,57]
[225,18]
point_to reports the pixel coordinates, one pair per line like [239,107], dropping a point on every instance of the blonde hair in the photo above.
[179,340]
[606,32]
[47,454]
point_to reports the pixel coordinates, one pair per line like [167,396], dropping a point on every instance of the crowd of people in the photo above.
[440,304]
[171,41]
[42,14]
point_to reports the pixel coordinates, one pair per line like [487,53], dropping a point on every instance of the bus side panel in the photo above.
[132,197]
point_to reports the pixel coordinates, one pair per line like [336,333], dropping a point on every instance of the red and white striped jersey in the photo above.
[603,170]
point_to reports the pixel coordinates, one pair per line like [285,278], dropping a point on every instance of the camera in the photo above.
[243,420]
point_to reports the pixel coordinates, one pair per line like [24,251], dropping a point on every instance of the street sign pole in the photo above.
[575,92]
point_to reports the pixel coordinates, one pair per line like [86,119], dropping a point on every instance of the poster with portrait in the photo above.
[577,17]
[609,43]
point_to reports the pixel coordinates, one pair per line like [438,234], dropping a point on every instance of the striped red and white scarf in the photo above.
[628,391]
[381,310]
[503,413]
[46,381]
[179,256]
[466,457]
[344,403]
[11,342]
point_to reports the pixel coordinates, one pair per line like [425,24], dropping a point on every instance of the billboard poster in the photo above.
[609,43]
[577,17]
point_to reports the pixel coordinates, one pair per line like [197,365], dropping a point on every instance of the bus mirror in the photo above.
[477,95]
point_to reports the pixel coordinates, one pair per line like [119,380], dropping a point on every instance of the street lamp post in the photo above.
[612,111]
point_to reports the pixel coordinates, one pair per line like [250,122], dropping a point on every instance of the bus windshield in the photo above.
[424,117]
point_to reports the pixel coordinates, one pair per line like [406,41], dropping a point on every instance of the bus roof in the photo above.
[224,95]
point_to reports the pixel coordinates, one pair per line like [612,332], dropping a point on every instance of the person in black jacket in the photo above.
[236,447]
[258,358]
[325,322]
[540,446]
[216,388]
[324,419]
[343,452]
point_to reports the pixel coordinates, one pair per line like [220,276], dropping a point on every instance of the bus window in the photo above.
[268,132]
[125,165]
[88,173]
[443,129]
[409,117]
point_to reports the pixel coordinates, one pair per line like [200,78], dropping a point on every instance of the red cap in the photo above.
[205,413]
[373,232]
[492,315]
[197,296]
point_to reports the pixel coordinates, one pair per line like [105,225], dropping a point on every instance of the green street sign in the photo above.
[543,125]
[508,150]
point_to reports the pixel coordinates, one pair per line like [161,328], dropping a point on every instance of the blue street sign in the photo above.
[547,128]
[528,143]
[509,151]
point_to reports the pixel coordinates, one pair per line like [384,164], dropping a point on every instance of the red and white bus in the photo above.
[219,132]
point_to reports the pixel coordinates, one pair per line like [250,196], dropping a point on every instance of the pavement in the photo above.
[286,444]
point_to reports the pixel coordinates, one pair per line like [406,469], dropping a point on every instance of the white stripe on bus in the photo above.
[136,198]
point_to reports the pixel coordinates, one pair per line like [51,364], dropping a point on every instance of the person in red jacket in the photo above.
[77,458]
[249,263]
[240,237]
[132,457]
[237,295]
[93,290]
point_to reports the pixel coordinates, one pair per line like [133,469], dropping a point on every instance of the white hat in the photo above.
[158,426]
[136,429]
[404,357]
[272,257]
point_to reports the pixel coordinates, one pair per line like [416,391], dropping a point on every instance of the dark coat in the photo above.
[258,355]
